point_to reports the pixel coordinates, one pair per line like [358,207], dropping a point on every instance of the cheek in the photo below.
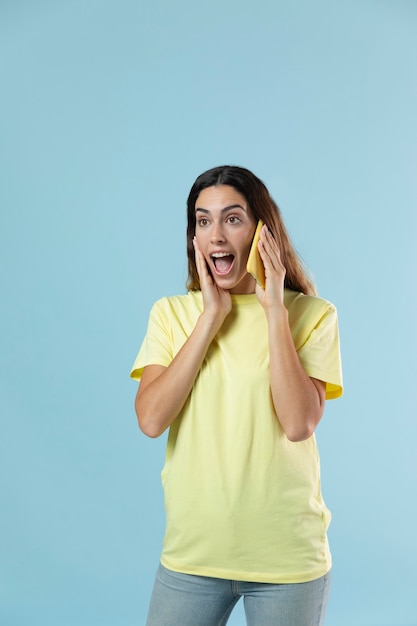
[248,243]
[199,238]
[202,243]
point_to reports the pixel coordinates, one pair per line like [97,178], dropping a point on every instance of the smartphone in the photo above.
[254,266]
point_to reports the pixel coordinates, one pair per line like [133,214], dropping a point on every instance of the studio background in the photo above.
[109,111]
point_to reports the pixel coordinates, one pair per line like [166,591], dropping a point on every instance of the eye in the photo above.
[233,219]
[203,221]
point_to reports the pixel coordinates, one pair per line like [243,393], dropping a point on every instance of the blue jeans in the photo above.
[184,600]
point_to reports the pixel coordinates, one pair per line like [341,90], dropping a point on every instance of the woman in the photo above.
[240,375]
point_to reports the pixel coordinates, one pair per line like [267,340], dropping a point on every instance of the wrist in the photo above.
[210,322]
[277,314]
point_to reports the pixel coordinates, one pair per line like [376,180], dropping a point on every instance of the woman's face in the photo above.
[224,230]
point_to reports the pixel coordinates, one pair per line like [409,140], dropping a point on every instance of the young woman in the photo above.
[240,374]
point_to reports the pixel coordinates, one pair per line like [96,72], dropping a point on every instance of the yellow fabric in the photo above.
[242,501]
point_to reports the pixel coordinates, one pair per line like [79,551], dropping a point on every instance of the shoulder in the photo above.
[179,305]
[187,300]
[299,304]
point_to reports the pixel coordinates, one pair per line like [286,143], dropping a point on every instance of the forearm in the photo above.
[298,404]
[160,400]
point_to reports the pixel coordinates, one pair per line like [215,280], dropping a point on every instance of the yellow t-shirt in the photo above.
[242,501]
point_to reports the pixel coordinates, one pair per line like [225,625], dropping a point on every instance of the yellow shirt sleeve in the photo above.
[156,348]
[320,354]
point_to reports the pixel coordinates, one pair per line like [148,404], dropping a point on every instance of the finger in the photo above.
[198,263]
[268,255]
[271,249]
[201,264]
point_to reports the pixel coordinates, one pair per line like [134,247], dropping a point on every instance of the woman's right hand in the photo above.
[163,391]
[217,302]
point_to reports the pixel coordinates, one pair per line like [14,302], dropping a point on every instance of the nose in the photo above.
[217,235]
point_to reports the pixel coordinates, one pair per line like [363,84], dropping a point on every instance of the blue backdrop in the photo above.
[109,110]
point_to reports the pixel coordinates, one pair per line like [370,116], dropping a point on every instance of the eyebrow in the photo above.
[226,208]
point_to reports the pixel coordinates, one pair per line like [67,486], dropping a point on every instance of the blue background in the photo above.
[109,110]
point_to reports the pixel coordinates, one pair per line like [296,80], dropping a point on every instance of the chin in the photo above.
[224,282]
[243,286]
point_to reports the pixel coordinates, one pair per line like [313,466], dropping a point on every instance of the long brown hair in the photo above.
[263,207]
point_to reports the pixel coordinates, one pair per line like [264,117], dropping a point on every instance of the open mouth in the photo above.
[222,262]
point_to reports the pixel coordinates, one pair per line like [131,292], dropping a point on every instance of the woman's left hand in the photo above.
[272,297]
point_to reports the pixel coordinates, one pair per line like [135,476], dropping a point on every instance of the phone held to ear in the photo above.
[254,266]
